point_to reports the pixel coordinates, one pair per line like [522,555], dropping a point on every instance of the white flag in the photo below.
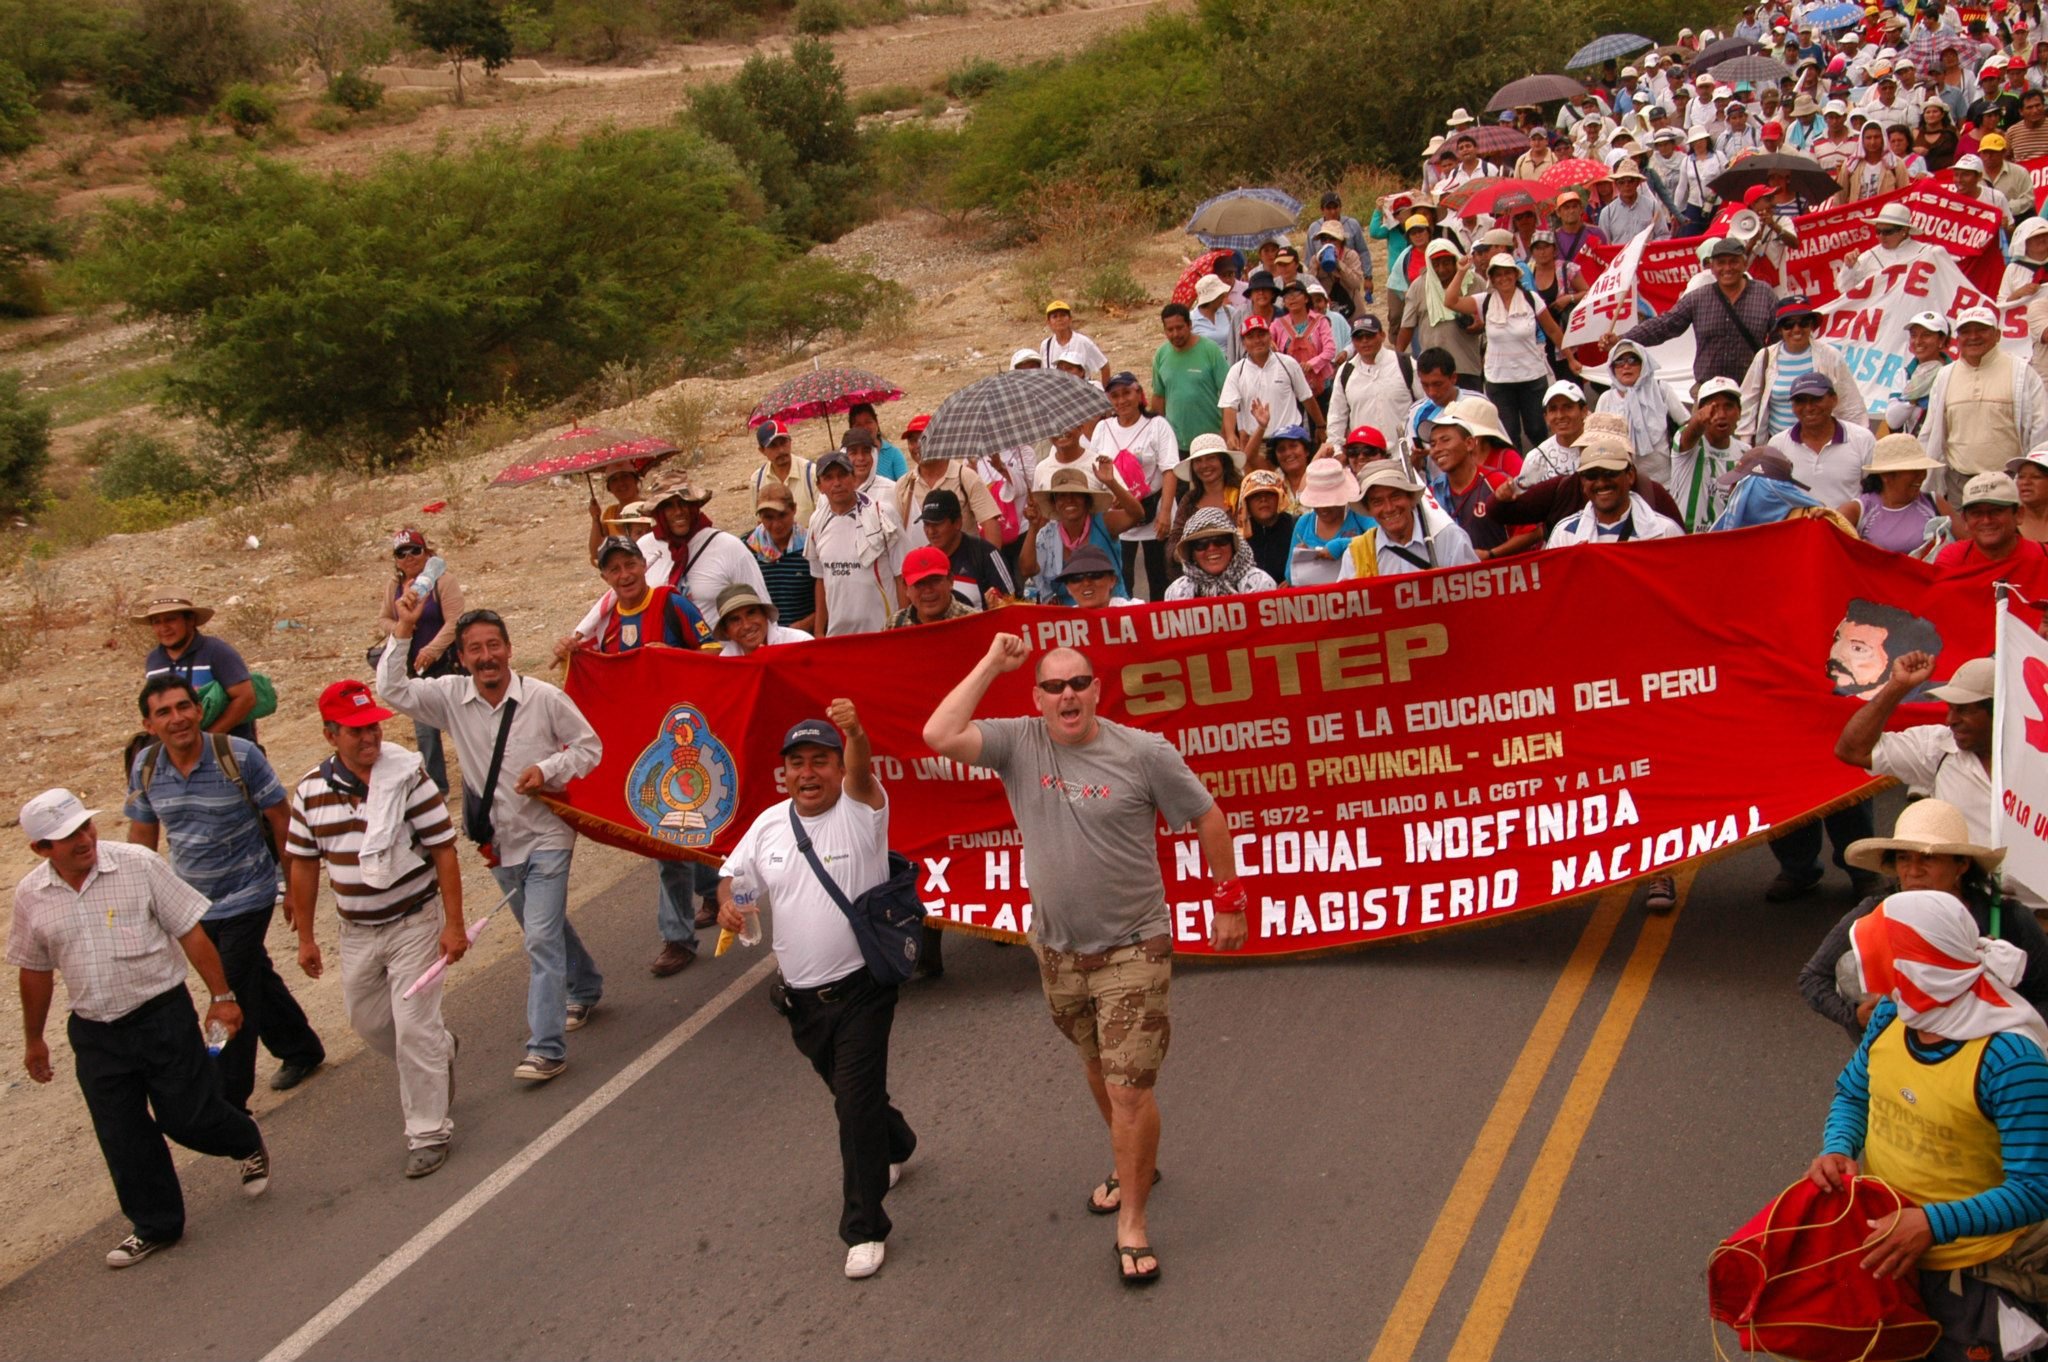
[1610,305]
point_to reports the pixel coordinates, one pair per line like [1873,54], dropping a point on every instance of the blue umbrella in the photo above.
[1243,219]
[1609,47]
[1832,17]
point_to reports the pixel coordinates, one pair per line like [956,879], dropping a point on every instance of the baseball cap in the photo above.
[1125,379]
[350,704]
[1086,561]
[768,432]
[1793,306]
[858,435]
[1254,323]
[1720,387]
[940,505]
[834,458]
[1365,435]
[616,543]
[1972,683]
[1976,316]
[1057,305]
[812,733]
[1021,358]
[1564,387]
[1929,321]
[918,424]
[1607,453]
[1724,245]
[1813,384]
[54,814]
[1367,325]
[924,562]
[1773,128]
[408,539]
[2037,457]
[1992,141]
[1972,163]
[1990,489]
[1261,280]
[1293,432]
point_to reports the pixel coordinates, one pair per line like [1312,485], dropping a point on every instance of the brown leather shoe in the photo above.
[673,959]
[707,914]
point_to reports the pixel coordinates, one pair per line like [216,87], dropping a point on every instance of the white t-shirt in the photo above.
[858,557]
[1092,358]
[777,633]
[814,943]
[1514,338]
[1151,442]
[1280,384]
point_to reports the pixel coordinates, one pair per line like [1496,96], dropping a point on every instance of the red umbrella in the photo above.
[587,451]
[1490,197]
[1455,198]
[822,392]
[1572,173]
[1205,263]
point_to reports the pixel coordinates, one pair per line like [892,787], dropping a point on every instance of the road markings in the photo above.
[481,1195]
[1439,1256]
[1488,1316]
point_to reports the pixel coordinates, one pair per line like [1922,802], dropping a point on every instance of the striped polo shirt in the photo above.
[327,824]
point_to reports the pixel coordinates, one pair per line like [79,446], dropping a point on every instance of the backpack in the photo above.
[224,753]
[887,920]
[1407,370]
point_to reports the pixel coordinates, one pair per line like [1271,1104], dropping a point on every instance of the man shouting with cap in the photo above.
[1087,796]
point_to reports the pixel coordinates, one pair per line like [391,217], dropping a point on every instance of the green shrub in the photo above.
[462,31]
[24,445]
[819,18]
[28,235]
[128,463]
[351,312]
[973,79]
[910,163]
[17,111]
[179,54]
[246,109]
[1114,288]
[604,30]
[354,92]
[886,99]
[788,122]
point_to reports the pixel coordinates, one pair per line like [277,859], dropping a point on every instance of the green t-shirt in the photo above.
[1190,382]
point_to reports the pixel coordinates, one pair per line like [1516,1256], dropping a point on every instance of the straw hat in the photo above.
[1066,480]
[1900,454]
[1327,485]
[164,600]
[1929,827]
[1607,424]
[1215,444]
[1387,473]
[1477,417]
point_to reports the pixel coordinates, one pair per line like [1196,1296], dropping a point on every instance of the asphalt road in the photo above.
[1517,1142]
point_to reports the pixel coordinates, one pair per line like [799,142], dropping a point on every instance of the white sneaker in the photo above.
[864,1260]
[895,1174]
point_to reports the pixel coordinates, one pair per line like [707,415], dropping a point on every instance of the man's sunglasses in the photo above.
[1076,684]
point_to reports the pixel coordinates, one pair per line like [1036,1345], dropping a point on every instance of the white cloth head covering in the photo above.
[1921,947]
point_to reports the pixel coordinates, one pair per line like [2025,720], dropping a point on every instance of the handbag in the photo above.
[476,808]
[887,921]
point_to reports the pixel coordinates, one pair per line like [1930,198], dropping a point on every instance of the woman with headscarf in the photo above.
[1946,1101]
[1899,140]
[1929,849]
[1264,521]
[2026,264]
[1871,171]
[1651,408]
[1215,560]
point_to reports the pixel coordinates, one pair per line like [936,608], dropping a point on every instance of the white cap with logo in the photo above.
[53,815]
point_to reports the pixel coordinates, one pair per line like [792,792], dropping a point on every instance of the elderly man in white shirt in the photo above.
[1409,534]
[519,738]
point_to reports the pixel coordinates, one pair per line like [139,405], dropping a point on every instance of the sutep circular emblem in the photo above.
[684,788]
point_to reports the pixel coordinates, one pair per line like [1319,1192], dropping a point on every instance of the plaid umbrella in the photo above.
[1765,70]
[1533,90]
[1494,138]
[1014,408]
[1184,287]
[822,392]
[1574,172]
[1609,47]
[1714,53]
[585,450]
[1243,219]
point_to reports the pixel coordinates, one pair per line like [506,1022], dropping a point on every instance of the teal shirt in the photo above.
[1190,383]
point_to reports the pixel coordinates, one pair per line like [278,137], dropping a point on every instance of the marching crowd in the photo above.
[1283,434]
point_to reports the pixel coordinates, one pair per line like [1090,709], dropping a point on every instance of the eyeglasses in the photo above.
[1090,577]
[409,551]
[1076,684]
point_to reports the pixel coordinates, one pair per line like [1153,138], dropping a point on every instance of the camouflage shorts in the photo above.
[1113,1005]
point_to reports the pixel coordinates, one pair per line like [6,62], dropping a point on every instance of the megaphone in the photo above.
[1745,226]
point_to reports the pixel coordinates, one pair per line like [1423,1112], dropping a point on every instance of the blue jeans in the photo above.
[681,882]
[561,971]
[428,741]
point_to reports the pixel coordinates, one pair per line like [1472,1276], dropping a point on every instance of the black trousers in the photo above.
[1798,851]
[269,1011]
[1155,559]
[843,1029]
[147,1076]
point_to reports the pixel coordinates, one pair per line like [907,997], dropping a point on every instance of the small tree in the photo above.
[24,445]
[17,111]
[460,30]
[337,36]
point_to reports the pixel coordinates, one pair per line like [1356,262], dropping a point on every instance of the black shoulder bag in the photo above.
[887,921]
[476,808]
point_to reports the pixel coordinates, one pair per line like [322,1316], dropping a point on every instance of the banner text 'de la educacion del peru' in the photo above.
[1395,755]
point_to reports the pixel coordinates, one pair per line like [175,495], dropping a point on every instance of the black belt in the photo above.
[833,992]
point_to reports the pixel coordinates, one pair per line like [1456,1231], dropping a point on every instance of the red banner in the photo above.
[1395,755]
[1965,229]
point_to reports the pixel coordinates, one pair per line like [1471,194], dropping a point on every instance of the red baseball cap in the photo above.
[1254,323]
[1753,193]
[1773,129]
[925,562]
[917,423]
[1366,435]
[408,538]
[350,704]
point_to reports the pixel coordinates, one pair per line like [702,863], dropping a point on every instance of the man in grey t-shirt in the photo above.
[1088,796]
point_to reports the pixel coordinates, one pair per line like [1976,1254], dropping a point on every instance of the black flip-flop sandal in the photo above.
[1111,1185]
[1131,1253]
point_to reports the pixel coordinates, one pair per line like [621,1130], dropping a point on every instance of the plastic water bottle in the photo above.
[746,896]
[430,574]
[216,1037]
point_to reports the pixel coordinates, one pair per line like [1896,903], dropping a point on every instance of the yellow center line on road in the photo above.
[1440,1253]
[1488,1316]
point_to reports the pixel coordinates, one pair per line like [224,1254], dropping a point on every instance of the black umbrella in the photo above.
[1809,181]
[1013,408]
[1720,50]
[1534,90]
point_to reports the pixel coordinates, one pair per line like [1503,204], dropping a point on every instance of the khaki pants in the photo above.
[378,964]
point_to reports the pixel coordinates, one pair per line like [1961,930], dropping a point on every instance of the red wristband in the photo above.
[1229,896]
